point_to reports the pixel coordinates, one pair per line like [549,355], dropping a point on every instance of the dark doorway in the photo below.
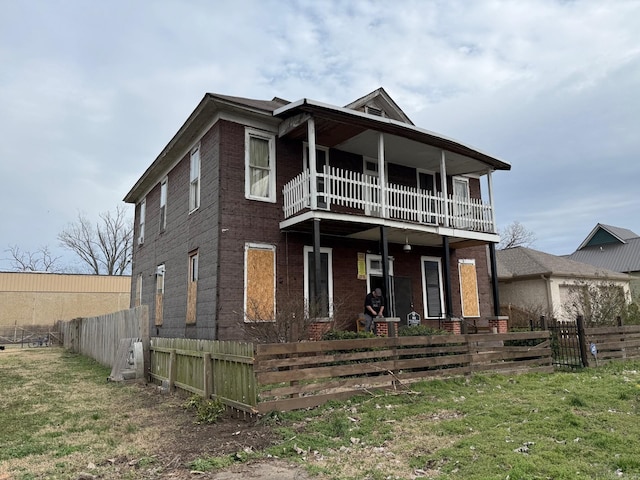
[404,298]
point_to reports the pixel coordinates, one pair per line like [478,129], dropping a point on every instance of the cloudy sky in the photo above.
[91,92]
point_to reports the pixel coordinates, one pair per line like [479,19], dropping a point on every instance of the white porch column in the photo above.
[443,187]
[313,188]
[381,176]
[493,211]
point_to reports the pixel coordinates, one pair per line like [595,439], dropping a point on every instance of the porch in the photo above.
[344,191]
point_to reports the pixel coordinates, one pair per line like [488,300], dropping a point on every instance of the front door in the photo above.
[403,298]
[376,280]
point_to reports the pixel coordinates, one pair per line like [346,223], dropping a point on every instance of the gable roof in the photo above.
[604,234]
[609,247]
[525,262]
[380,100]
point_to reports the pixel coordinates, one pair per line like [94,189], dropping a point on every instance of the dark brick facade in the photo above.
[226,221]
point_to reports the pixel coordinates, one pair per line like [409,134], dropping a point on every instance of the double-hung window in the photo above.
[260,165]
[163,204]
[194,178]
[432,294]
[259,282]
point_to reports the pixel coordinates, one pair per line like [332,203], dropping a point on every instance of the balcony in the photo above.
[346,191]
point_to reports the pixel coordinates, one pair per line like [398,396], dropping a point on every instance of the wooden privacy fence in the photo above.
[288,376]
[99,337]
[213,369]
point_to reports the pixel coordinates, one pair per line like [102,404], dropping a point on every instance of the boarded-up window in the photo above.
[138,298]
[159,294]
[192,288]
[260,282]
[469,288]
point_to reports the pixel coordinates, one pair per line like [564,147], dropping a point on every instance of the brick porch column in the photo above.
[501,324]
[452,325]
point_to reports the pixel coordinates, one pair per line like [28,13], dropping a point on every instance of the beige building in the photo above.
[28,299]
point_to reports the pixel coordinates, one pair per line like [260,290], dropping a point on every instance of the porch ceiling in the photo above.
[368,229]
[405,144]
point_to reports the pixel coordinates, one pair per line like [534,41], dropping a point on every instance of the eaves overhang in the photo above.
[367,121]
[210,105]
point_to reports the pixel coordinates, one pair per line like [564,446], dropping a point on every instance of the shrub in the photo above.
[207,410]
[419,331]
[346,335]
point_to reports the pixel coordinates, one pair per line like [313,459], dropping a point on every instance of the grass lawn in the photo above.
[59,417]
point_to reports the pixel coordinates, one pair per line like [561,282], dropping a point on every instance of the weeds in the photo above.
[207,411]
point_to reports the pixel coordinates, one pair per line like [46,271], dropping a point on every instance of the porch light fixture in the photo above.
[406,247]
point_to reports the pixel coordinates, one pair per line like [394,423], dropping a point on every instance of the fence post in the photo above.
[172,369]
[582,341]
[543,322]
[208,378]
[619,320]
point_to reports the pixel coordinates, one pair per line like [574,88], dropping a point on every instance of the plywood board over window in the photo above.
[260,282]
[159,294]
[469,288]
[192,288]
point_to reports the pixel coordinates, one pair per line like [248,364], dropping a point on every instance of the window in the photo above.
[143,214]
[432,295]
[260,168]
[159,294]
[259,282]
[322,307]
[163,204]
[461,206]
[194,177]
[469,288]
[192,288]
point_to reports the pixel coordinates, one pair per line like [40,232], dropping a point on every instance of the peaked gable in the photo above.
[607,234]
[379,103]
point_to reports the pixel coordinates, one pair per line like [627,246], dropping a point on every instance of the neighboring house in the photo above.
[531,281]
[613,248]
[256,202]
[30,299]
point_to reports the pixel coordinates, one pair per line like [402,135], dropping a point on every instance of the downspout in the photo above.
[547,279]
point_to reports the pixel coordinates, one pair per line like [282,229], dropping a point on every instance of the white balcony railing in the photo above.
[353,190]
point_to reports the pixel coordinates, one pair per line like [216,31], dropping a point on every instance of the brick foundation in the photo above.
[452,325]
[318,329]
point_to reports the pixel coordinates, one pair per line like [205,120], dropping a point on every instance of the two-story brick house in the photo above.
[254,203]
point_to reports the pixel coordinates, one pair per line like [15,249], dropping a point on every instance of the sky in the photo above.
[91,92]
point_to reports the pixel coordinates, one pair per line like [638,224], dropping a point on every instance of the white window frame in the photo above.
[329,252]
[425,306]
[195,164]
[271,138]
[143,215]
[164,186]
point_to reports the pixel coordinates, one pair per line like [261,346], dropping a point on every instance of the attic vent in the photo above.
[374,111]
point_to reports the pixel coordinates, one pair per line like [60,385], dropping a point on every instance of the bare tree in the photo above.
[105,248]
[42,260]
[515,235]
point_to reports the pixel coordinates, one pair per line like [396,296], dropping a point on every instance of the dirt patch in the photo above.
[183,441]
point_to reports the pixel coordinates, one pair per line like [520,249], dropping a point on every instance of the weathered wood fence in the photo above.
[612,343]
[213,369]
[99,337]
[287,376]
